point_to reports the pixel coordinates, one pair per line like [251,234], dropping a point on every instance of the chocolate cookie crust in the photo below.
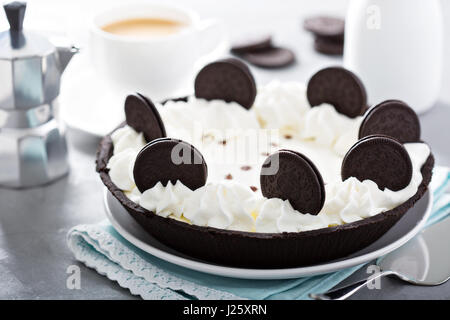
[261,250]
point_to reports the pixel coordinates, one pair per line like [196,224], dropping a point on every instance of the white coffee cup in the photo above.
[157,66]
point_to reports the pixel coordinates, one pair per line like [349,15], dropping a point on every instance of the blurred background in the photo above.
[72,18]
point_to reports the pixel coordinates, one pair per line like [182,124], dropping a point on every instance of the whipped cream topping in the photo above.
[124,138]
[127,144]
[284,106]
[231,199]
[199,118]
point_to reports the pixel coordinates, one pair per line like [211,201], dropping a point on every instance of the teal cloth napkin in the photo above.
[100,247]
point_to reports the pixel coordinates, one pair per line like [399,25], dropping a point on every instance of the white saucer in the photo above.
[403,231]
[87,102]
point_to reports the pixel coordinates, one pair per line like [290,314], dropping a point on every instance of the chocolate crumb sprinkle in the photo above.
[288,136]
[229,176]
[254,189]
[246,168]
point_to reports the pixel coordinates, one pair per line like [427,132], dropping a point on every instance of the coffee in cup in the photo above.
[144,27]
[153,49]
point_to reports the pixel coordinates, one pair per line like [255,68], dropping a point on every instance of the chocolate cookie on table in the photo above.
[329,27]
[329,47]
[251,44]
[261,52]
[328,34]
[270,58]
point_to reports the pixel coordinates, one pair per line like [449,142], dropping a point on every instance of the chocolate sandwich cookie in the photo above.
[381,159]
[228,80]
[168,159]
[329,47]
[393,118]
[142,115]
[289,175]
[340,88]
[331,28]
[270,58]
[251,44]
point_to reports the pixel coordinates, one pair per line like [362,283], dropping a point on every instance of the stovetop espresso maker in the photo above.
[33,148]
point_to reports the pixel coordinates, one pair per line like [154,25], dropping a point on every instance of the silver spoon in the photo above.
[425,260]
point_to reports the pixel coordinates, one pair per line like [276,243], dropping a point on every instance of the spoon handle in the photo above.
[343,293]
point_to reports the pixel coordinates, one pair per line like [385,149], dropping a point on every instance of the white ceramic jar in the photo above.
[396,47]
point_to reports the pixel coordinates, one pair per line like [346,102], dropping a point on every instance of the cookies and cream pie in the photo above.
[281,175]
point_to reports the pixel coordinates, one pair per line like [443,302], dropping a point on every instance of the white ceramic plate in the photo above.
[407,227]
[88,103]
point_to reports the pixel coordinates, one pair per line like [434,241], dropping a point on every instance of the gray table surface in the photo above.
[33,223]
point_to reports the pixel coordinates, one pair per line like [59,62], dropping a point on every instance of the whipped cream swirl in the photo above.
[127,144]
